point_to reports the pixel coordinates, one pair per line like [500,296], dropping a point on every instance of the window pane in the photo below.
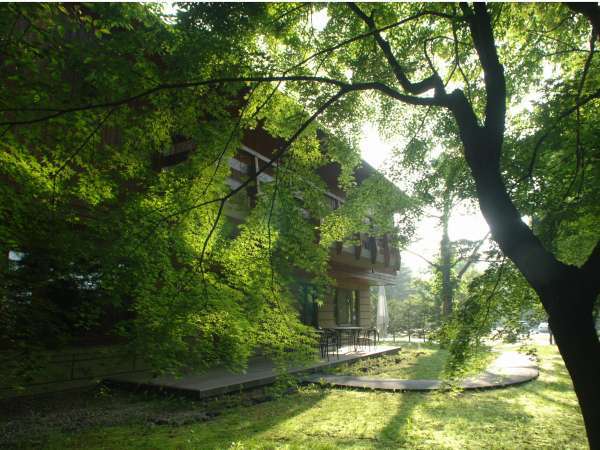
[347,307]
[308,305]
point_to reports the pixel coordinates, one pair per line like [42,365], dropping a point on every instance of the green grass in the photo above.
[539,414]
[415,361]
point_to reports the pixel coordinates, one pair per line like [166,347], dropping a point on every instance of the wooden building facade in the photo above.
[355,268]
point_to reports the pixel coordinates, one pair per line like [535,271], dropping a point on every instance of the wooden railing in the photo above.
[377,250]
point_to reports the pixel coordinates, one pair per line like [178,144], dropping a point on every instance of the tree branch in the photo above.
[276,156]
[472,258]
[161,87]
[86,141]
[495,84]
[371,33]
[271,260]
[580,153]
[287,13]
[491,295]
[222,200]
[542,138]
[432,82]
[431,263]
[207,239]
[459,65]
[378,86]
[236,127]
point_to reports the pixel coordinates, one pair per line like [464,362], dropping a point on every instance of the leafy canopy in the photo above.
[112,232]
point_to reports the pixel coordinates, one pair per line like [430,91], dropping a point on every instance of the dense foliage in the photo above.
[513,86]
[108,237]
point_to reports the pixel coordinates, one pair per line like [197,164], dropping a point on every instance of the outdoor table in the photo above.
[353,333]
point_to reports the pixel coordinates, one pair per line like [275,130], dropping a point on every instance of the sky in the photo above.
[465,224]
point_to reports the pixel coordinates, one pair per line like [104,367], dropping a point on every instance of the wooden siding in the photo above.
[365,313]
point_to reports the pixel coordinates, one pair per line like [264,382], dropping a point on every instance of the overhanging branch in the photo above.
[276,156]
[347,87]
[431,263]
[473,257]
[429,83]
[373,32]
[544,136]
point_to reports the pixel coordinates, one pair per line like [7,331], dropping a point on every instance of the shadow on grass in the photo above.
[554,376]
[248,423]
[149,420]
[396,427]
[554,382]
[411,362]
[550,399]
[445,408]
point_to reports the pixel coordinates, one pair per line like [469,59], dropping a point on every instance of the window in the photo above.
[347,306]
[333,203]
[14,259]
[308,305]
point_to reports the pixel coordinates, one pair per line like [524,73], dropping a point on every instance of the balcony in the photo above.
[373,253]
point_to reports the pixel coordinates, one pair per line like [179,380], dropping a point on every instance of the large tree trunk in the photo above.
[577,341]
[566,292]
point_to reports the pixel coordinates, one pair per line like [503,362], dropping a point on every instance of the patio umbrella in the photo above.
[382,313]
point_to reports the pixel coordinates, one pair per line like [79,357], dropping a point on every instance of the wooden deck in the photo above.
[218,381]
[508,369]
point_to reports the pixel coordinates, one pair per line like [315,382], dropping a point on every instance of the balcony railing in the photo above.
[378,251]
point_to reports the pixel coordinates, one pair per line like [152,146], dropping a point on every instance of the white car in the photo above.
[542,327]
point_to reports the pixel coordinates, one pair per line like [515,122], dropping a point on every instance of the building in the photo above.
[355,268]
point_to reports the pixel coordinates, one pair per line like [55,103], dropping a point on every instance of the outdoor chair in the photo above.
[368,337]
[329,341]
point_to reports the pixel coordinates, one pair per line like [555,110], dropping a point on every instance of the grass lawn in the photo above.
[540,414]
[415,361]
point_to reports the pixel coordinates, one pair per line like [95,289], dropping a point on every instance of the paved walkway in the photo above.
[218,381]
[508,369]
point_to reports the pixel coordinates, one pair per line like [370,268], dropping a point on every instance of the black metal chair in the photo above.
[368,337]
[329,339]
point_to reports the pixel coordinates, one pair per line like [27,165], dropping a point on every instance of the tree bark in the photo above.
[575,335]
[446,263]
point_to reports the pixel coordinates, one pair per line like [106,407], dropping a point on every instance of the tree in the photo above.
[118,210]
[396,298]
[567,292]
[413,316]
[492,55]
[440,187]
